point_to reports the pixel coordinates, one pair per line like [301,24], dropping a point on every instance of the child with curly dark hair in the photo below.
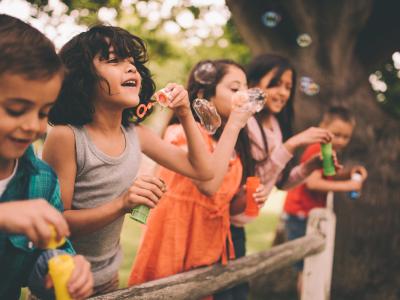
[98,159]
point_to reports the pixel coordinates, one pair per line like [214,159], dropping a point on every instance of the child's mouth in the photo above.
[21,142]
[130,83]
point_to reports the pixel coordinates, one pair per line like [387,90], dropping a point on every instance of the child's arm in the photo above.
[61,156]
[196,163]
[306,137]
[223,151]
[316,182]
[32,218]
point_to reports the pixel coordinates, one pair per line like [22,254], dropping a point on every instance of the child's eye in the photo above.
[113,60]
[43,115]
[15,113]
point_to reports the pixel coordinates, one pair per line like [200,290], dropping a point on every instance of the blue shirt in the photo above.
[33,179]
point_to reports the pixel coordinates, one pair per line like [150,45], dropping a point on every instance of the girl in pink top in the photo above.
[272,141]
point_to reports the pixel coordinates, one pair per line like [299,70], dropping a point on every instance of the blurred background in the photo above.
[345,52]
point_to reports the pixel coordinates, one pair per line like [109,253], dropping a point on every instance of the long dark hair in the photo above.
[208,90]
[74,105]
[255,71]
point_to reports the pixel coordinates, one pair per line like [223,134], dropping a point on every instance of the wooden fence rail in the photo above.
[205,281]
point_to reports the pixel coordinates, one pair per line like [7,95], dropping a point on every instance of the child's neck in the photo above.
[106,121]
[6,167]
[266,119]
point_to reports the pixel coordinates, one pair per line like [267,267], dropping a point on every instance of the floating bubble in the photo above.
[207,114]
[304,40]
[163,97]
[205,73]
[252,99]
[308,86]
[380,97]
[271,19]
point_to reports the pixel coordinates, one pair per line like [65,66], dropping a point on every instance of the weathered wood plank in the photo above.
[317,274]
[205,281]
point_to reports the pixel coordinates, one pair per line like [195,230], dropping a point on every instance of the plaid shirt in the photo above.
[33,179]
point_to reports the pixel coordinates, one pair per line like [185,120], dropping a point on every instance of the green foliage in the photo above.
[390,99]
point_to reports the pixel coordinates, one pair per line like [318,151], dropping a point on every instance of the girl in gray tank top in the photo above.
[97,155]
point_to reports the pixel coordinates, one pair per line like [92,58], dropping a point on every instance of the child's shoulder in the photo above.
[62,131]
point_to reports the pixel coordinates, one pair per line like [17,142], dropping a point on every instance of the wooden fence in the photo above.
[316,247]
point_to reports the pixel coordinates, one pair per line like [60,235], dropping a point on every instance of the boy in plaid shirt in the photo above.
[31,75]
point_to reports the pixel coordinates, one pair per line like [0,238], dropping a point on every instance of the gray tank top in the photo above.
[99,179]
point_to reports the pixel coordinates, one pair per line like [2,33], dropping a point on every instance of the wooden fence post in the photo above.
[317,273]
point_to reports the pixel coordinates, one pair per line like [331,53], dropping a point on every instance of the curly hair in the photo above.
[75,105]
[26,51]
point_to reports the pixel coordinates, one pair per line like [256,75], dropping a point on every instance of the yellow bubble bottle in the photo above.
[53,243]
[60,267]
[60,270]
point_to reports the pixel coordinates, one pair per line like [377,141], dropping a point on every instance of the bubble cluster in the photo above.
[207,114]
[308,86]
[271,19]
[205,73]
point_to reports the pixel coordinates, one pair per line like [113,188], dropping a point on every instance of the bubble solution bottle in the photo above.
[327,160]
[355,194]
[60,267]
[252,184]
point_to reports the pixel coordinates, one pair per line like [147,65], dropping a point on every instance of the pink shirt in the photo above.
[269,170]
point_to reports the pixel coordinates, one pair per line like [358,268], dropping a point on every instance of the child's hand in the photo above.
[360,170]
[179,99]
[261,195]
[239,115]
[32,218]
[354,185]
[80,284]
[309,136]
[145,190]
[315,163]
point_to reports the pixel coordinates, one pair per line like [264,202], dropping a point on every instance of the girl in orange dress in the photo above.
[190,226]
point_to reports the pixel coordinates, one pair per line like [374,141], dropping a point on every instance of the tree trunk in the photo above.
[367,251]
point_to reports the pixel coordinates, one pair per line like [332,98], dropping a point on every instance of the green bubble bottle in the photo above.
[327,160]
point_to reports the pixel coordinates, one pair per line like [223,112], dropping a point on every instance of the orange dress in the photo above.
[187,229]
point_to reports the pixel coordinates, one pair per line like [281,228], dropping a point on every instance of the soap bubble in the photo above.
[252,99]
[308,86]
[304,40]
[207,114]
[205,73]
[271,19]
[163,97]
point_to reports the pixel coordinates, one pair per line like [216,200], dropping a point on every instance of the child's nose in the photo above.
[32,124]
[131,67]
